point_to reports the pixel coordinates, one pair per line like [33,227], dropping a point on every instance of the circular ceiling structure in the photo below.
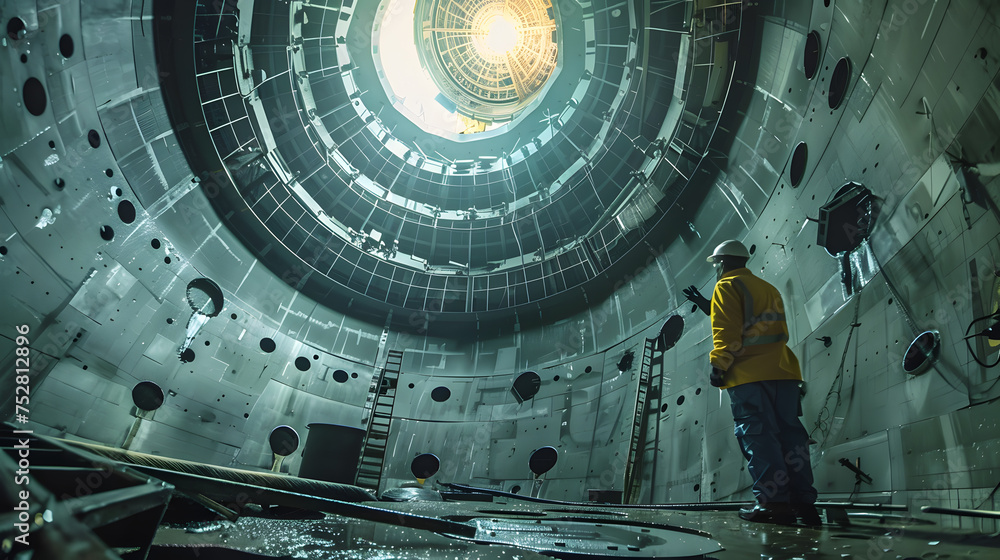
[489,57]
[314,164]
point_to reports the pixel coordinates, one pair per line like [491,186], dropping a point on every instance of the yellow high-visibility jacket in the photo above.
[749,332]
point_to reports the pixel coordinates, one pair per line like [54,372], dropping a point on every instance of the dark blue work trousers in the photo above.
[773,440]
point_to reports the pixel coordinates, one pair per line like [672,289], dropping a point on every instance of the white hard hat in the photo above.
[730,248]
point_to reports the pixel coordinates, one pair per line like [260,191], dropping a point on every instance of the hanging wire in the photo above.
[969,345]
[823,421]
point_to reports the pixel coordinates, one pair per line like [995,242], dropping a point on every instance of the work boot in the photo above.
[807,514]
[774,512]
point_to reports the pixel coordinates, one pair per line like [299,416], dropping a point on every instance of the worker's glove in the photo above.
[695,297]
[716,377]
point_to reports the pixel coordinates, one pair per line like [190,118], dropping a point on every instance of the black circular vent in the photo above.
[441,394]
[839,81]
[147,395]
[810,60]
[797,169]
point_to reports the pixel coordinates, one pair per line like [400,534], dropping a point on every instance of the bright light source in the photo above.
[501,34]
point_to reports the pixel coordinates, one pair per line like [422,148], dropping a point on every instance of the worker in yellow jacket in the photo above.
[751,359]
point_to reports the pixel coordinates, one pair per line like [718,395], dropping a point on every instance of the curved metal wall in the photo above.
[106,314]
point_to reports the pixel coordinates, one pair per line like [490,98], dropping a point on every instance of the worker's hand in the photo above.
[695,297]
[716,377]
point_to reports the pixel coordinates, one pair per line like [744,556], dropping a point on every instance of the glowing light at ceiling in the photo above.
[501,34]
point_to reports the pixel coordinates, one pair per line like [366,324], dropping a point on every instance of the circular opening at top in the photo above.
[34,96]
[94,138]
[302,363]
[66,46]
[441,394]
[147,395]
[797,169]
[810,60]
[340,376]
[267,345]
[501,34]
[839,81]
[457,69]
[107,233]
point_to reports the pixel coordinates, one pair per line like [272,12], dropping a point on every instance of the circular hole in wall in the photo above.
[354,375]
[302,363]
[340,376]
[60,184]
[588,369]
[204,296]
[126,211]
[680,400]
[66,46]
[425,465]
[810,59]
[267,345]
[839,81]
[94,138]
[526,386]
[15,28]
[107,233]
[187,355]
[441,394]
[543,459]
[33,93]
[155,243]
[797,169]
[284,440]
[3,249]
[663,408]
[670,333]
[147,395]
[923,351]
[109,173]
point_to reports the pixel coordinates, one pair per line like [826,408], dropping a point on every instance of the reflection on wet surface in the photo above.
[866,536]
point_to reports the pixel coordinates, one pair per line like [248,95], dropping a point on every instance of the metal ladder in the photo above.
[381,395]
[633,464]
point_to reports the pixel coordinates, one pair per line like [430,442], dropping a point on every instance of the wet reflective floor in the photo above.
[866,536]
